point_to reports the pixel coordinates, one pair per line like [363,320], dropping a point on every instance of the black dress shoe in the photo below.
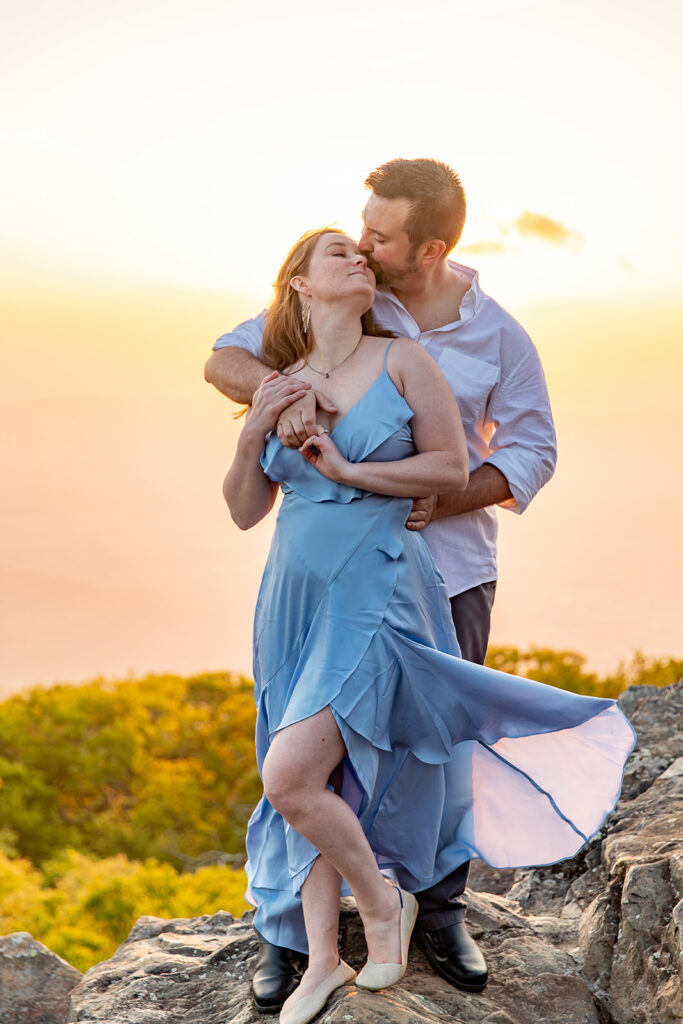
[454,955]
[277,974]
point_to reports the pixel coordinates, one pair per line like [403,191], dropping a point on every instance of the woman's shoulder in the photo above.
[387,349]
[413,369]
[400,345]
[403,354]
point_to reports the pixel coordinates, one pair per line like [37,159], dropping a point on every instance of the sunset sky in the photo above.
[158,160]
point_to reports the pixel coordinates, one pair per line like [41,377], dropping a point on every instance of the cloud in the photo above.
[477,248]
[538,225]
[527,225]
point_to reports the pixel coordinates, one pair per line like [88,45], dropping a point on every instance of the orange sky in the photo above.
[159,160]
[118,553]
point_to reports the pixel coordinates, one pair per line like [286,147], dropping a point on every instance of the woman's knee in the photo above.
[282,787]
[274,789]
[299,762]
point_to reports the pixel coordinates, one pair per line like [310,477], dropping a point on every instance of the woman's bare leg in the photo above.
[295,773]
[320,897]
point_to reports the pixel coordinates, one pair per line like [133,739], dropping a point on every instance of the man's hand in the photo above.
[299,421]
[422,512]
[486,486]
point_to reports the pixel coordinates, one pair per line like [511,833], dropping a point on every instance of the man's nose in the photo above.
[365,241]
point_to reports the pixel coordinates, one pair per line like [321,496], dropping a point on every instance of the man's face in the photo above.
[384,240]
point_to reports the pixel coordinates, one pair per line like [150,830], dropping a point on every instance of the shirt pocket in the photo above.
[472,381]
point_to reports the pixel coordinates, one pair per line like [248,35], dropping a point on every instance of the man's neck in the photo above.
[433,297]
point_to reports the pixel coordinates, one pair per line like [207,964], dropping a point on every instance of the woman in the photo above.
[356,659]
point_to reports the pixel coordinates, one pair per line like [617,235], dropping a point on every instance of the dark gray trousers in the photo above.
[440,905]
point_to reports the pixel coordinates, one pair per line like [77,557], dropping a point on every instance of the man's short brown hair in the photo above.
[435,193]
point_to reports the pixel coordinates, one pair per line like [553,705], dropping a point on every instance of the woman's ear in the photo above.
[300,286]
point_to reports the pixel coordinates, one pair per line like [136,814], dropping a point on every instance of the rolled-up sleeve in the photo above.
[248,335]
[523,444]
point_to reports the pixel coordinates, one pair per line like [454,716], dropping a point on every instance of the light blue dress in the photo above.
[446,760]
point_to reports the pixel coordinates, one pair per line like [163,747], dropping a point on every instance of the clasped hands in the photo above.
[290,407]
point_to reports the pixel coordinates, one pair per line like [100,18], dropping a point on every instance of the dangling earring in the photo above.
[306,317]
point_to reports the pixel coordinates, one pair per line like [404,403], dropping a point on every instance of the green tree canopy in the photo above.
[159,767]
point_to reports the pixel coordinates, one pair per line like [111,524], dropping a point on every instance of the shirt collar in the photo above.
[469,305]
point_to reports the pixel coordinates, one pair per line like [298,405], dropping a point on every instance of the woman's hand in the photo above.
[321,451]
[300,421]
[274,394]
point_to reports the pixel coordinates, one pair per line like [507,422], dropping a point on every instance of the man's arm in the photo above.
[236,373]
[486,486]
[523,450]
[523,444]
[236,369]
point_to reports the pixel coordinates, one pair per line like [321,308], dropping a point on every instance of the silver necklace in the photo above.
[326,373]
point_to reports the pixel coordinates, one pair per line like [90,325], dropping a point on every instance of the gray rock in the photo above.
[644,855]
[656,714]
[197,972]
[483,878]
[34,982]
[193,971]
[598,929]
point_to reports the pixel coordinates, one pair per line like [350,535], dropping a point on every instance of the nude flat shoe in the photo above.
[310,1006]
[375,976]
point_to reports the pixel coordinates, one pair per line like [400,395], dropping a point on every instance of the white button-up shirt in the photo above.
[496,376]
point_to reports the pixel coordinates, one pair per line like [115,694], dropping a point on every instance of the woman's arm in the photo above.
[249,493]
[441,465]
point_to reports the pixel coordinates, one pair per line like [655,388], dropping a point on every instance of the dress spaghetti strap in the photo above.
[386,352]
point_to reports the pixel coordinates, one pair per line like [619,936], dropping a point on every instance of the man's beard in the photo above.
[390,278]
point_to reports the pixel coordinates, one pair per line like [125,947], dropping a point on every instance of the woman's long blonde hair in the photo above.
[285,343]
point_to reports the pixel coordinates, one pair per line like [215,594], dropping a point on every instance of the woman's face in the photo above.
[338,270]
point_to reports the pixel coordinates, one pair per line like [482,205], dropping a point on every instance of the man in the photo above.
[413,218]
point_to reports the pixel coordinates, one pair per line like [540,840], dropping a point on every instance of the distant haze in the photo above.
[118,553]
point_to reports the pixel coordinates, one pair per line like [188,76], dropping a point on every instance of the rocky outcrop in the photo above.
[197,972]
[594,940]
[631,932]
[34,983]
[625,890]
